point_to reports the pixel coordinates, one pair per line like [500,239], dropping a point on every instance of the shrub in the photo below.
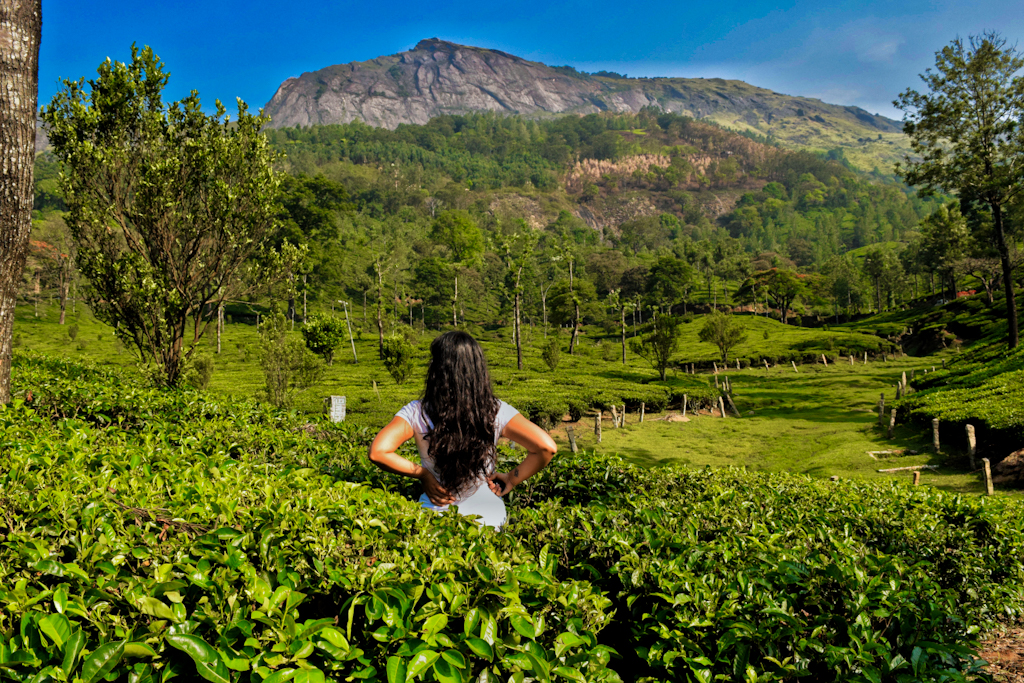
[323,334]
[552,353]
[288,366]
[723,331]
[659,344]
[198,371]
[72,332]
[274,548]
[397,356]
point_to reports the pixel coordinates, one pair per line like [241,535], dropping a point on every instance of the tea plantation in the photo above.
[151,535]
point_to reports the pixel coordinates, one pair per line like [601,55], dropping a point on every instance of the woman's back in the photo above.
[477,498]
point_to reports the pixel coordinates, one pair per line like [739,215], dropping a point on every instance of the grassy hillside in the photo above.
[817,420]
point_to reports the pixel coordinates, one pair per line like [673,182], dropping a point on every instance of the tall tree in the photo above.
[619,302]
[944,242]
[459,234]
[516,248]
[668,281]
[781,287]
[967,135]
[21,24]
[172,210]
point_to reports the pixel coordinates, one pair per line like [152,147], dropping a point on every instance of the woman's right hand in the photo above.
[437,494]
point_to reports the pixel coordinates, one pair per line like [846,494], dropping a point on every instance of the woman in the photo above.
[456,426]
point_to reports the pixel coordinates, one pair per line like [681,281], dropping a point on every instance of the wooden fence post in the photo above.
[972,447]
[917,477]
[903,381]
[851,359]
[622,420]
[794,366]
[824,360]
[721,406]
[766,366]
[716,366]
[597,426]
[642,407]
[892,422]
[935,435]
[572,440]
[716,382]
[881,410]
[865,358]
[615,417]
[737,363]
[684,405]
[732,405]
[989,489]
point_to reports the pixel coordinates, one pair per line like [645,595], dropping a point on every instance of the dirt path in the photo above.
[1005,654]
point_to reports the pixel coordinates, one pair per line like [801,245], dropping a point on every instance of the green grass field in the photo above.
[819,421]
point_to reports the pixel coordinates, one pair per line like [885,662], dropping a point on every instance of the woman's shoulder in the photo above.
[504,416]
[411,412]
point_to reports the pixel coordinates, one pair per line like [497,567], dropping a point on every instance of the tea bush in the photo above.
[146,535]
[984,387]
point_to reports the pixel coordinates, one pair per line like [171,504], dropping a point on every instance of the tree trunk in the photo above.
[1004,261]
[544,308]
[304,310]
[575,329]
[455,315]
[380,314]
[518,333]
[63,300]
[622,316]
[20,32]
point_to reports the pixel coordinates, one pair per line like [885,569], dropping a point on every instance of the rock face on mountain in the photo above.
[438,77]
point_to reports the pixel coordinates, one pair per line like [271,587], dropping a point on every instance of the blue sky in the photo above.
[844,52]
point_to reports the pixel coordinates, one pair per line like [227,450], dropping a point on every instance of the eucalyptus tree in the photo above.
[516,247]
[172,210]
[967,136]
[461,237]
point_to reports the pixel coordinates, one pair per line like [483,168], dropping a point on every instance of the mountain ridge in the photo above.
[439,77]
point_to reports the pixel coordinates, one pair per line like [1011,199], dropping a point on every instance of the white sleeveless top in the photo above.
[479,499]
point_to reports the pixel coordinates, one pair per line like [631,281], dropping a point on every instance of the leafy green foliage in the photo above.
[658,345]
[983,387]
[323,334]
[723,331]
[287,364]
[552,353]
[397,356]
[158,533]
[171,209]
[966,136]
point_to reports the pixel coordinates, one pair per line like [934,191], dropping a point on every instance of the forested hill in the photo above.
[438,77]
[620,190]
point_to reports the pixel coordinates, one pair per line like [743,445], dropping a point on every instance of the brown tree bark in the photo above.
[21,23]
[1007,267]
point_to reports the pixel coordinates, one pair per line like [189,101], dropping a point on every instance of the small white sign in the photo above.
[336,408]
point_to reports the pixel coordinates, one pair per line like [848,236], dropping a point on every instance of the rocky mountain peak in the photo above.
[440,77]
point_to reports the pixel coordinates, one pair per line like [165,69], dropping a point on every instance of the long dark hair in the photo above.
[459,401]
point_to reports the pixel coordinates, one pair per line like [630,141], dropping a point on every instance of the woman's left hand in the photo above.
[500,483]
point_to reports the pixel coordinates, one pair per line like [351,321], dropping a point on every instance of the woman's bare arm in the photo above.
[383,455]
[540,449]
